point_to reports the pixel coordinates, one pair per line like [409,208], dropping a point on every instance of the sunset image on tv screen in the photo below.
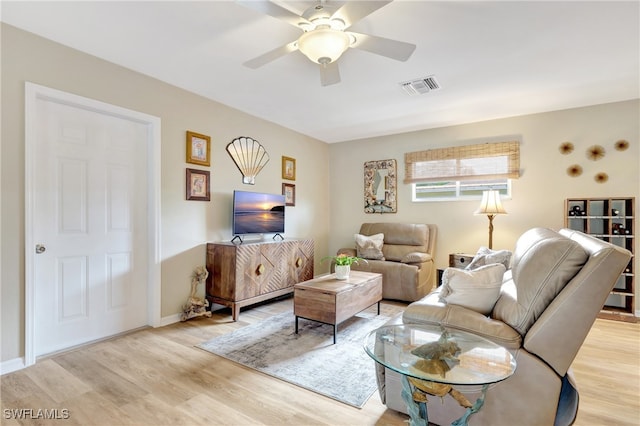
[257,213]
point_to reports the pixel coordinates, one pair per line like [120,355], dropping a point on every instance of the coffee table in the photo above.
[432,359]
[331,301]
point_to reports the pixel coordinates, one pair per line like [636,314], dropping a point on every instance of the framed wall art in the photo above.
[198,149]
[380,186]
[289,192]
[288,168]
[198,185]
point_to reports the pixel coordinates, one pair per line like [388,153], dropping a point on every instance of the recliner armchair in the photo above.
[408,267]
[549,300]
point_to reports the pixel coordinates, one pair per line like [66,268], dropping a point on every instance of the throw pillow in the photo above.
[486,256]
[370,247]
[477,289]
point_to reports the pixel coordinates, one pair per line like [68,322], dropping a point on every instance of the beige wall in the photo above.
[186,225]
[538,196]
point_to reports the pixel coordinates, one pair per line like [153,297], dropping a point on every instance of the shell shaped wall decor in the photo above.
[250,157]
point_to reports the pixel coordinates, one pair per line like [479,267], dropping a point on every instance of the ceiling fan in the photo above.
[324,36]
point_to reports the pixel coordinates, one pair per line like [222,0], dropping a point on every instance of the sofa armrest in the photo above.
[416,257]
[430,310]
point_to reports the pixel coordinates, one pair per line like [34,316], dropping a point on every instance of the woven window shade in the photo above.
[497,160]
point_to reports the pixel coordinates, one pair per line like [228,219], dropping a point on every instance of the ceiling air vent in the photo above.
[420,86]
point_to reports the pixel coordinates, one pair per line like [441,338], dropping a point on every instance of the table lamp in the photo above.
[491,206]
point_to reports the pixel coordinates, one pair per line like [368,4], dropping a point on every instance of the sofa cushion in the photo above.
[430,310]
[477,290]
[370,247]
[408,234]
[543,263]
[399,238]
[486,256]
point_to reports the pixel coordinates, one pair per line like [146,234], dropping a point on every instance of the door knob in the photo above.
[40,248]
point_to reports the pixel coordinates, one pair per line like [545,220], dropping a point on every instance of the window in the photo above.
[459,190]
[462,172]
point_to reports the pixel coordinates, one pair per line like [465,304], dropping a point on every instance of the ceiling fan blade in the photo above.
[271,55]
[272,9]
[354,11]
[398,50]
[329,74]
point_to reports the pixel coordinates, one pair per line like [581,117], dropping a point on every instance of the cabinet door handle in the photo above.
[40,248]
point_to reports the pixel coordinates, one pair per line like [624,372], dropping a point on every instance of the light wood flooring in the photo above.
[158,377]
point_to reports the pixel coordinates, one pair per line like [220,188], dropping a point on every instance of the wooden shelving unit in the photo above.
[611,220]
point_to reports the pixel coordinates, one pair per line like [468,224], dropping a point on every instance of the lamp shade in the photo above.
[490,204]
[323,45]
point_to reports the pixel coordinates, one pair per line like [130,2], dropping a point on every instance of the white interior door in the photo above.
[91,254]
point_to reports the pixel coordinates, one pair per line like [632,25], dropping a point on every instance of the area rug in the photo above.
[309,359]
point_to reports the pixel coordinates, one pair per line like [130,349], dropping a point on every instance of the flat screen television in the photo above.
[257,213]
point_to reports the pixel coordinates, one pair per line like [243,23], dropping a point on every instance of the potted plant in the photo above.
[343,264]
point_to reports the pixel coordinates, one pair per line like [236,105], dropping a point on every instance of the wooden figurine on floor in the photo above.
[196,306]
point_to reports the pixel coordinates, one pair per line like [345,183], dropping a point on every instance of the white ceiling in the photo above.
[492,59]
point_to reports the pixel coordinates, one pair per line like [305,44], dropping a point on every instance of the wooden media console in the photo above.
[252,272]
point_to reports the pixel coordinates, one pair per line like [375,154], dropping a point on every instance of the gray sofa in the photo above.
[548,301]
[408,269]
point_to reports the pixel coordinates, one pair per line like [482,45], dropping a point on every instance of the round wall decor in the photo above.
[621,145]
[574,170]
[566,148]
[595,152]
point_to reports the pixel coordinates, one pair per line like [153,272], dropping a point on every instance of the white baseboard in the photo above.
[12,365]
[171,319]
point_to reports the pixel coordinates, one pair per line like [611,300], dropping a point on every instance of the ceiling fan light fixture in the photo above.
[328,22]
[323,45]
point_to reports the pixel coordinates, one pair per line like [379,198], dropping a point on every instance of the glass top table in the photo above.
[429,357]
